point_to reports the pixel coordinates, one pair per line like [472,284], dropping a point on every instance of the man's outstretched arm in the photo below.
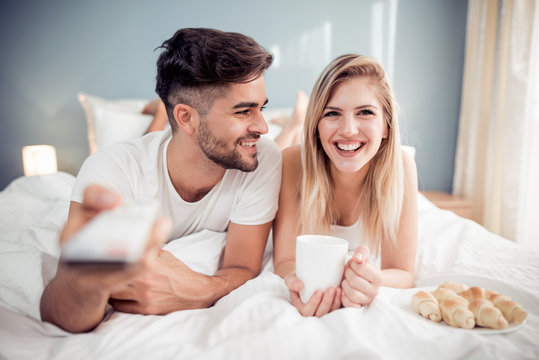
[170,285]
[76,299]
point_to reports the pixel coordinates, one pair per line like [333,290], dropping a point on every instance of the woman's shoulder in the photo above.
[292,168]
[409,168]
[292,157]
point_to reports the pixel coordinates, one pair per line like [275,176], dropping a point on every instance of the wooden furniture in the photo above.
[446,201]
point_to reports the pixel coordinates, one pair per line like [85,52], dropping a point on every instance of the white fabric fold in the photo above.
[200,251]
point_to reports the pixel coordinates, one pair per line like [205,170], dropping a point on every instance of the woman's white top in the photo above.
[355,236]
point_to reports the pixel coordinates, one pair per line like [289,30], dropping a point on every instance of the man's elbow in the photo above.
[52,313]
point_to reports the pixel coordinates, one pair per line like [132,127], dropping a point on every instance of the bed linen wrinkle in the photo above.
[257,319]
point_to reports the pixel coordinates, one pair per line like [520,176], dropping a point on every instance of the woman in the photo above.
[350,179]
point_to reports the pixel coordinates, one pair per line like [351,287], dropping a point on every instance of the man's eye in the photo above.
[262,108]
[244,112]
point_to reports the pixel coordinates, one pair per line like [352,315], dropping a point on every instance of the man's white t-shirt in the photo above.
[137,169]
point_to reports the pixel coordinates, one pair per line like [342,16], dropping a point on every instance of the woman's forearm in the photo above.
[284,268]
[397,278]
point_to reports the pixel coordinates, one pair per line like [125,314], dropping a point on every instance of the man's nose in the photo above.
[259,124]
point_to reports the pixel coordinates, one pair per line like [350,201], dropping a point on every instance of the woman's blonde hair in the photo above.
[381,198]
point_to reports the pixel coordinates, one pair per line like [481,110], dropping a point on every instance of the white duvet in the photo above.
[257,321]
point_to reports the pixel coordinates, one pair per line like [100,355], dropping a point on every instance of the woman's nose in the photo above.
[348,125]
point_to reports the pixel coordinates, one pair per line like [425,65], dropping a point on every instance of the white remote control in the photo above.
[114,237]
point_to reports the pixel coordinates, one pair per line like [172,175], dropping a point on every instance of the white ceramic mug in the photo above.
[320,262]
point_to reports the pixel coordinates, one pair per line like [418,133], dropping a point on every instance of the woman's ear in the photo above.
[186,118]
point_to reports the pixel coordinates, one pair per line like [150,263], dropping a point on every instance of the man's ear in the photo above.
[186,118]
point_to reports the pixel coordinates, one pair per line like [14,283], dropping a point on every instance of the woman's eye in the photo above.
[331,113]
[366,112]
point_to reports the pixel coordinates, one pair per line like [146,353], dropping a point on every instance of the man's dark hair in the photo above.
[197,64]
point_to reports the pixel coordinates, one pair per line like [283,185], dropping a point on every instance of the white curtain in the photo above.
[497,160]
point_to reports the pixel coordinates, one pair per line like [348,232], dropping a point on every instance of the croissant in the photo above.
[456,287]
[425,304]
[476,292]
[486,314]
[513,312]
[442,294]
[456,313]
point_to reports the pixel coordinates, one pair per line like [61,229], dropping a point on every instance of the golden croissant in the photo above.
[425,304]
[456,313]
[512,311]
[476,292]
[486,314]
[456,287]
[461,306]
[442,294]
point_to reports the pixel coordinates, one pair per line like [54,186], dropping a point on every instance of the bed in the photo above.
[257,321]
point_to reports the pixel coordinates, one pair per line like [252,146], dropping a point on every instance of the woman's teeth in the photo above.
[349,147]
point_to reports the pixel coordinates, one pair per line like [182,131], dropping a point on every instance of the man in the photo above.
[210,171]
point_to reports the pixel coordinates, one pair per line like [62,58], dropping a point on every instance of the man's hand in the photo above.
[108,280]
[96,199]
[361,280]
[320,303]
[165,284]
[77,297]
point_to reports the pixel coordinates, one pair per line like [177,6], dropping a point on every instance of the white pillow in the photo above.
[110,121]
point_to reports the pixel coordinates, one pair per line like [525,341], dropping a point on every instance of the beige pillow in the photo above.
[111,121]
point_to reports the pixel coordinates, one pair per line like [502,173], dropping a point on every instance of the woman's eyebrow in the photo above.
[356,108]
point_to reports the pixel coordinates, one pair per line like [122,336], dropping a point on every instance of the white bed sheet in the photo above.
[257,319]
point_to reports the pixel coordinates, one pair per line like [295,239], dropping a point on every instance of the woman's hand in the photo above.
[320,303]
[361,280]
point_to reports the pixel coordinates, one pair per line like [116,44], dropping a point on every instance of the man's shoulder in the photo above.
[143,143]
[124,162]
[142,149]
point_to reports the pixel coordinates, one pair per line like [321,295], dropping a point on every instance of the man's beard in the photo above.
[216,150]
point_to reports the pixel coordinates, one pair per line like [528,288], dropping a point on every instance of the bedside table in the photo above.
[443,200]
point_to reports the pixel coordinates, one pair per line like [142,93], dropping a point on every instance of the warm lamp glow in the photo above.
[39,160]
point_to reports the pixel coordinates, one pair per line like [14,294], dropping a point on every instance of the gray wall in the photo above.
[51,50]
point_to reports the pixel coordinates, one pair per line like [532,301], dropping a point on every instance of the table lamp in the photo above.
[39,160]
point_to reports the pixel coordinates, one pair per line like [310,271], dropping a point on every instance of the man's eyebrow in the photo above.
[248,104]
